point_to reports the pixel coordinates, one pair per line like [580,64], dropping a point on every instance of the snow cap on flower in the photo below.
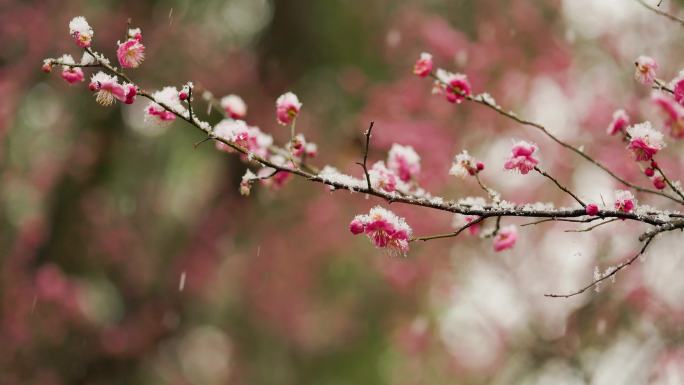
[287,108]
[234,106]
[423,66]
[311,150]
[246,183]
[135,33]
[404,161]
[644,141]
[80,30]
[384,229]
[619,123]
[382,178]
[465,165]
[624,201]
[506,238]
[130,53]
[248,137]
[522,157]
[454,86]
[645,70]
[674,113]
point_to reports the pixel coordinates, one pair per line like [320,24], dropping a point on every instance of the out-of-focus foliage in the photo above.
[128,256]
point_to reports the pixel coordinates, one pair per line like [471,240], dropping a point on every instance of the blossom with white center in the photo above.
[404,161]
[130,53]
[234,106]
[382,178]
[80,30]
[644,141]
[645,70]
[384,228]
[287,108]
[465,165]
[521,157]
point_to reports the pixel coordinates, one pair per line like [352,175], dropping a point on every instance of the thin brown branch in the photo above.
[592,227]
[661,12]
[365,156]
[448,235]
[560,186]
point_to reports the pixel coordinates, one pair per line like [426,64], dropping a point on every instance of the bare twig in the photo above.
[560,186]
[661,12]
[592,227]
[449,235]
[365,156]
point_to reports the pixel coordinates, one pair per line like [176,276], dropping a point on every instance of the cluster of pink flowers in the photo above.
[522,158]
[624,201]
[384,229]
[455,87]
[645,72]
[644,141]
[673,111]
[80,30]
[243,135]
[287,108]
[465,165]
[505,238]
[423,66]
[131,52]
[404,161]
[619,123]
[107,89]
[234,106]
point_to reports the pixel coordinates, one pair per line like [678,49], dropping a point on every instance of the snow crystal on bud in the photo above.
[80,30]
[130,53]
[287,108]
[404,161]
[246,182]
[619,123]
[423,66]
[645,70]
[465,165]
[234,106]
[521,157]
[644,141]
[384,229]
[505,238]
[624,201]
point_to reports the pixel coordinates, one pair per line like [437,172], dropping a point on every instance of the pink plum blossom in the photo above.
[454,86]
[249,137]
[423,66]
[592,209]
[107,88]
[619,123]
[521,157]
[287,108]
[674,114]
[645,72]
[234,106]
[506,238]
[72,75]
[404,161]
[80,30]
[624,201]
[644,141]
[677,86]
[382,178]
[384,229]
[465,165]
[130,53]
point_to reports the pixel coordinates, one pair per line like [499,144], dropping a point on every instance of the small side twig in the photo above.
[560,186]
[449,235]
[591,227]
[365,156]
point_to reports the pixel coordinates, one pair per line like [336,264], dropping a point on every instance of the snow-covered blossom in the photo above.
[71,74]
[135,33]
[423,66]
[454,86]
[464,165]
[619,123]
[506,238]
[311,150]
[521,157]
[246,182]
[287,108]
[80,30]
[644,141]
[130,53]
[674,114]
[404,161]
[592,209]
[107,88]
[384,229]
[156,113]
[462,220]
[248,137]
[624,201]
[234,106]
[645,72]
[382,178]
